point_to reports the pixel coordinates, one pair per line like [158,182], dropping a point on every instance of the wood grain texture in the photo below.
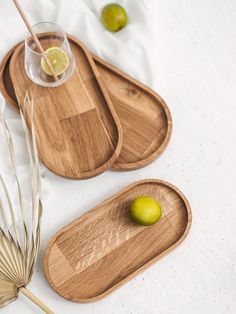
[77,130]
[145,118]
[143,114]
[103,249]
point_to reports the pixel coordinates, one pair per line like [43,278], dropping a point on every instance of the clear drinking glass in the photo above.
[50,35]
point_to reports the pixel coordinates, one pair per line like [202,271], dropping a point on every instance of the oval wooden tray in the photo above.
[144,116]
[103,249]
[77,130]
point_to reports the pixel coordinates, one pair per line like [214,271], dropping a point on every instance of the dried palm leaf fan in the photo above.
[20,213]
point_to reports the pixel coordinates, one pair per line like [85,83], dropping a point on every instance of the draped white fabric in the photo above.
[131,49]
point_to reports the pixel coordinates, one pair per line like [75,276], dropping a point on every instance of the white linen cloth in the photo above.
[187,54]
[130,50]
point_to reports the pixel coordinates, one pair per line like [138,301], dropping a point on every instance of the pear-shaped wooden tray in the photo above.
[103,249]
[77,130]
[144,116]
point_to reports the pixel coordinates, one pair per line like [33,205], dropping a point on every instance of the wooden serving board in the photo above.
[144,116]
[103,249]
[77,130]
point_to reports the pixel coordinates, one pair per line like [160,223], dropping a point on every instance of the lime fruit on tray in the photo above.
[114,17]
[58,60]
[145,210]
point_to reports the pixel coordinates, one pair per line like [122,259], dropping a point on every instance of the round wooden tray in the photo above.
[144,116]
[103,249]
[77,130]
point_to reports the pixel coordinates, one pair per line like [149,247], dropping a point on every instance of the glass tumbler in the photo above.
[56,50]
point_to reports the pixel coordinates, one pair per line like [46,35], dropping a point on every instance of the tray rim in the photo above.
[3,63]
[116,122]
[116,167]
[137,271]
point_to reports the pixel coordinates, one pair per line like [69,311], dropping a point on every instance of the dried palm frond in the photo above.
[19,218]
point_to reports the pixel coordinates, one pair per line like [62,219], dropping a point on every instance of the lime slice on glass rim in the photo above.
[58,59]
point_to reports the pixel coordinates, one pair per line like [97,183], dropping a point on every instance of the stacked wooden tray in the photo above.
[100,119]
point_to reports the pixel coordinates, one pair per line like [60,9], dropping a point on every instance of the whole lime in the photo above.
[114,17]
[145,210]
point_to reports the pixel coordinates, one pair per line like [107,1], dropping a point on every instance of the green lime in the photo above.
[114,17]
[58,59]
[145,211]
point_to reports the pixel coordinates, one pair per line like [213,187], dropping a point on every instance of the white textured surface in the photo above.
[193,67]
